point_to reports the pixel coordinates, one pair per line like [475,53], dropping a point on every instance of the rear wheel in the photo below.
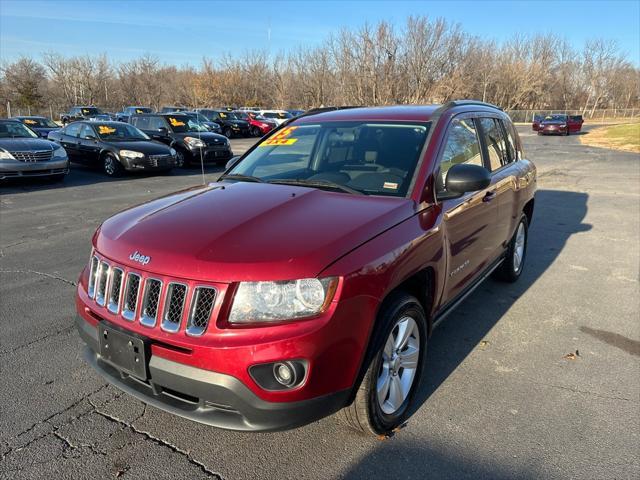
[255,132]
[386,393]
[111,166]
[227,132]
[513,264]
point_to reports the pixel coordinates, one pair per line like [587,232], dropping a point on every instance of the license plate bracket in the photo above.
[125,352]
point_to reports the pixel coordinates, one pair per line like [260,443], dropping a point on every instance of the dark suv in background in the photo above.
[80,113]
[231,126]
[126,113]
[191,140]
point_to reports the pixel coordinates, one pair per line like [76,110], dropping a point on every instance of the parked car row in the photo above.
[31,146]
[246,121]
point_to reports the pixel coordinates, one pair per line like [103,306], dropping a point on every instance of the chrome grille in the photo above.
[101,283]
[131,296]
[173,307]
[113,299]
[150,302]
[91,287]
[40,156]
[201,308]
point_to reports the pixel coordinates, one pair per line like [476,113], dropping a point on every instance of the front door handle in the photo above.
[489,196]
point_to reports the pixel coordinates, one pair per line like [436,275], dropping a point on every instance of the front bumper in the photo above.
[208,397]
[149,162]
[18,169]
[212,154]
[553,130]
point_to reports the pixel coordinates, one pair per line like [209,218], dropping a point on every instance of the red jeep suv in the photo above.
[309,277]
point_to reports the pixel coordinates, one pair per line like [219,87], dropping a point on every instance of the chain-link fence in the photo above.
[526,116]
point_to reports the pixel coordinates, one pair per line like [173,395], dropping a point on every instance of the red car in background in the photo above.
[559,124]
[258,126]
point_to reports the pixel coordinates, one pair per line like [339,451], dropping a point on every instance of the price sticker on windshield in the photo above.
[30,122]
[281,138]
[106,130]
[175,123]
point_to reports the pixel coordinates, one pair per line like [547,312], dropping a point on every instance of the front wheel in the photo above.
[181,159]
[111,166]
[385,396]
[513,263]
[227,132]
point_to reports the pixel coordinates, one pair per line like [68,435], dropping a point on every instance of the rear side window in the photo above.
[73,130]
[86,130]
[141,122]
[495,141]
[156,123]
[462,146]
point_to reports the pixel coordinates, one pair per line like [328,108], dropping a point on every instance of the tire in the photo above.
[255,132]
[111,165]
[513,264]
[182,159]
[227,132]
[371,413]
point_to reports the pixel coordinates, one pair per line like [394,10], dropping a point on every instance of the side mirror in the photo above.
[163,130]
[232,162]
[463,178]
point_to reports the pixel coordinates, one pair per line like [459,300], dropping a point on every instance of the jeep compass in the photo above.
[308,279]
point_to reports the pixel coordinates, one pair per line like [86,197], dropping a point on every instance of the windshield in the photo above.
[15,130]
[91,111]
[280,115]
[39,123]
[119,131]
[556,118]
[373,158]
[184,124]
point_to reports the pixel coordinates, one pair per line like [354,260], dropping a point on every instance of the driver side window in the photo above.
[462,146]
[73,130]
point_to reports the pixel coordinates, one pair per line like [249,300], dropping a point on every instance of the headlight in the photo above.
[4,155]
[131,154]
[172,152]
[193,142]
[280,301]
[59,152]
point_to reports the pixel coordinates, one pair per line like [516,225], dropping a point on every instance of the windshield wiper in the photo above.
[241,178]
[316,184]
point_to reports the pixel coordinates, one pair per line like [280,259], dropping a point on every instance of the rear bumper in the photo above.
[208,397]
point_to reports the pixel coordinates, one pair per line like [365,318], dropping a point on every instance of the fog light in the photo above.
[285,373]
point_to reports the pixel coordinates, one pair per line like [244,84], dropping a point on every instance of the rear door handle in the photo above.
[489,196]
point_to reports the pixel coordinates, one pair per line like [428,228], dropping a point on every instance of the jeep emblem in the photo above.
[138,257]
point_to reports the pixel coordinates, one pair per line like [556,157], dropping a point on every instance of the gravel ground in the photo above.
[502,399]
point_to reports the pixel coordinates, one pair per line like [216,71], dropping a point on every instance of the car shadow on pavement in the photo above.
[557,216]
[400,460]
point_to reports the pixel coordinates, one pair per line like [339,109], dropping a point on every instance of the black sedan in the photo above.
[24,154]
[41,125]
[115,146]
[231,126]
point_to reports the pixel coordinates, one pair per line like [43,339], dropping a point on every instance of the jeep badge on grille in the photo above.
[138,257]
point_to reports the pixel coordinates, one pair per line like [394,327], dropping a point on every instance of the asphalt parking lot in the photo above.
[538,379]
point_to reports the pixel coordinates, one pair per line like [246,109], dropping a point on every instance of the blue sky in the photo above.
[183,32]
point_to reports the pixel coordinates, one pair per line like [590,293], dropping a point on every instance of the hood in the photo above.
[145,146]
[245,231]
[25,144]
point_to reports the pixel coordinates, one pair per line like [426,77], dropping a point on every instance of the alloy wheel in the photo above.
[518,251]
[399,365]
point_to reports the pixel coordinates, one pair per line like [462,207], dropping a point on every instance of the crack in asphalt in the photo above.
[157,440]
[66,329]
[587,392]
[43,274]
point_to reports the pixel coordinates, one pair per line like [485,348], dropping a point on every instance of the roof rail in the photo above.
[459,103]
[315,111]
